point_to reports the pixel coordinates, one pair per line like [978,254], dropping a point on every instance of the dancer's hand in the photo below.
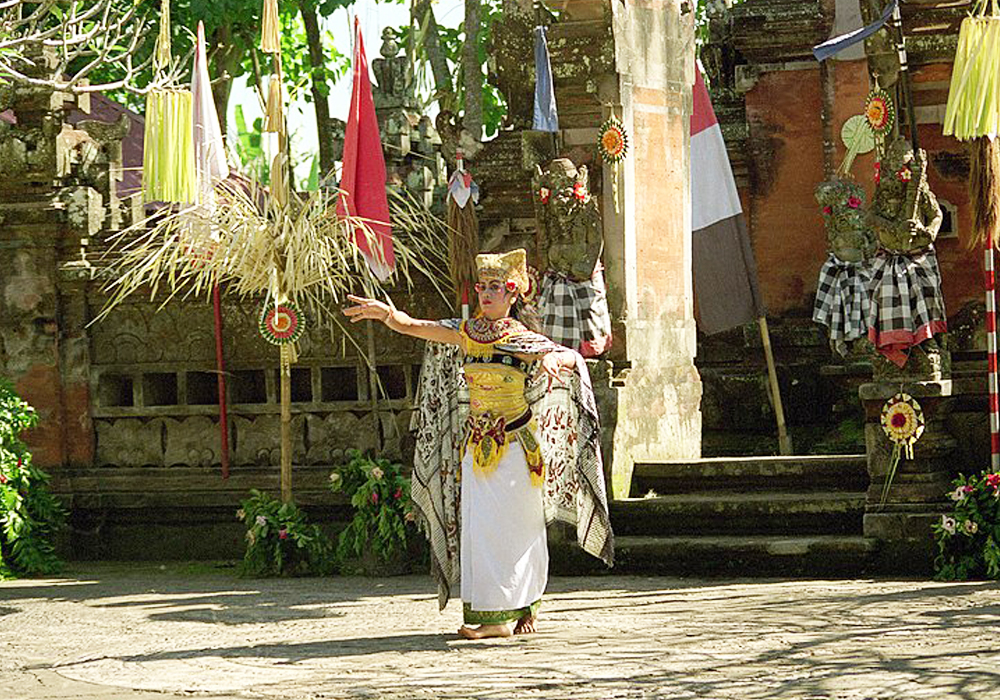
[551,366]
[366,309]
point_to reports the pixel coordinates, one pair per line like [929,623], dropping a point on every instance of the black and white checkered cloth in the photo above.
[842,299]
[575,314]
[907,306]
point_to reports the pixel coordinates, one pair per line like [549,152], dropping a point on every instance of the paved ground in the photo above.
[144,632]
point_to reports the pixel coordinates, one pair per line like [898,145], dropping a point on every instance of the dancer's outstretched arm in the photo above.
[399,321]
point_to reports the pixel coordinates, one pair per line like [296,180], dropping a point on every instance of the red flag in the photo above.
[725,273]
[362,180]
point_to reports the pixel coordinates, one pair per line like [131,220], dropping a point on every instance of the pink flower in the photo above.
[993,480]
[878,172]
[853,202]
[580,192]
[828,210]
[282,534]
[904,174]
[374,497]
[398,494]
[3,479]
[543,195]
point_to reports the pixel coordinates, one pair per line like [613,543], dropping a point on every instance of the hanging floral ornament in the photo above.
[612,144]
[879,111]
[281,324]
[903,424]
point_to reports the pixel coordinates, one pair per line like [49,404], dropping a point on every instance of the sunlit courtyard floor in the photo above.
[130,631]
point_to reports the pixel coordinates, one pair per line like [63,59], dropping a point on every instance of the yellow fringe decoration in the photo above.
[270,40]
[973,107]
[168,173]
[274,119]
[474,349]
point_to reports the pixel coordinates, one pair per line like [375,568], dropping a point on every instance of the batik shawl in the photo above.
[569,433]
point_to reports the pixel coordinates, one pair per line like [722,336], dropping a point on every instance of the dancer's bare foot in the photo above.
[526,625]
[485,631]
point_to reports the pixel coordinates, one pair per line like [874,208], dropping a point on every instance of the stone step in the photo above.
[721,513]
[752,474]
[730,556]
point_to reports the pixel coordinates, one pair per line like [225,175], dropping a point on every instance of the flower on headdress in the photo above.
[904,174]
[543,195]
[580,192]
[828,210]
[853,202]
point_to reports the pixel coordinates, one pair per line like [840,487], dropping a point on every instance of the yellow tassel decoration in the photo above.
[168,173]
[270,41]
[274,119]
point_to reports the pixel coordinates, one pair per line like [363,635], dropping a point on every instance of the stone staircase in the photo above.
[747,516]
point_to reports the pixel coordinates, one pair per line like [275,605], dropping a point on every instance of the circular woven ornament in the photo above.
[856,135]
[902,420]
[879,111]
[281,324]
[612,143]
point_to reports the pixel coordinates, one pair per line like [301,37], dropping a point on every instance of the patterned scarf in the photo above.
[569,433]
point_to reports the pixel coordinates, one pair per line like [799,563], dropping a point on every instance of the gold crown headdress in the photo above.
[510,266]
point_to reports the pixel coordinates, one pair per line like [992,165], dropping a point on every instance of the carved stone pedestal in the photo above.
[917,496]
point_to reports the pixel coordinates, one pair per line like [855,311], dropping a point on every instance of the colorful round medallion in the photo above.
[612,143]
[281,323]
[902,420]
[879,111]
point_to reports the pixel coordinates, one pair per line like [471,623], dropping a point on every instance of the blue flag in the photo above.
[839,43]
[546,118]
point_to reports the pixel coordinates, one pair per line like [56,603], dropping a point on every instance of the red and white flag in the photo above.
[362,179]
[725,273]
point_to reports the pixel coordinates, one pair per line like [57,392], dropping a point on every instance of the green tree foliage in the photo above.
[29,514]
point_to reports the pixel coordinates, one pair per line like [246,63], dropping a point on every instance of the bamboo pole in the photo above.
[373,388]
[286,424]
[784,439]
[220,366]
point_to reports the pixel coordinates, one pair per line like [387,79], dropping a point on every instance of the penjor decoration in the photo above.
[903,423]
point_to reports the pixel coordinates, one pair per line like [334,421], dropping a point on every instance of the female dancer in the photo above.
[503,481]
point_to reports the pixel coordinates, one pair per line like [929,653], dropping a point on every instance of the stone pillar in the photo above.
[43,346]
[917,497]
[648,241]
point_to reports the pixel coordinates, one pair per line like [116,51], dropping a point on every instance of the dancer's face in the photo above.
[495,297]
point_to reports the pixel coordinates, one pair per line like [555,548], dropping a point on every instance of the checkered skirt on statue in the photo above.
[842,299]
[575,314]
[907,306]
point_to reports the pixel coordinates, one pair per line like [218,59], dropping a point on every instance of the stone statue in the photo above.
[907,307]
[573,302]
[904,214]
[570,239]
[847,233]
[842,289]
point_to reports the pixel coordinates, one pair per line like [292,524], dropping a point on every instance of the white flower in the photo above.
[971,527]
[377,473]
[948,524]
[261,520]
[240,514]
[334,477]
[958,494]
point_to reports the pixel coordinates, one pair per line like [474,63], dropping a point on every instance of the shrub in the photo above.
[281,541]
[968,538]
[380,494]
[29,514]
